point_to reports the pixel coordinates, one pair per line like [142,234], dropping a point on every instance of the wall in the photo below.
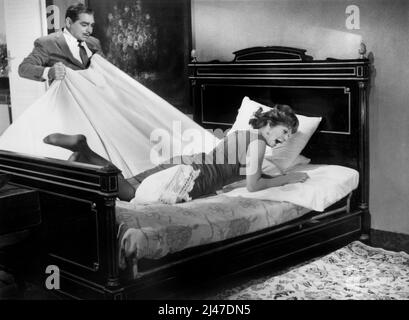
[2,23]
[24,23]
[223,26]
[4,119]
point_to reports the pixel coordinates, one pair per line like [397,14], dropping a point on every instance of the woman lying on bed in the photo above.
[215,169]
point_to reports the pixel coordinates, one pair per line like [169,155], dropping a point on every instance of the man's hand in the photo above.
[57,72]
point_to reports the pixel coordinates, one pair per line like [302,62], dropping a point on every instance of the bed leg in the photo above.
[366,227]
[111,244]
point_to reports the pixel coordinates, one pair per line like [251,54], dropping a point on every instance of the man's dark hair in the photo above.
[75,10]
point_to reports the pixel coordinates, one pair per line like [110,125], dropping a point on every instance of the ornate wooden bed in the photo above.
[79,230]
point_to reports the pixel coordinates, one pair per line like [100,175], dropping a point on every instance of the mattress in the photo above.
[156,230]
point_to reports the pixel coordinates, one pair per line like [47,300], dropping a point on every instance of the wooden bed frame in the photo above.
[79,231]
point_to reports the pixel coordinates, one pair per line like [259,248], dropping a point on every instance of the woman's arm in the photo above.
[256,180]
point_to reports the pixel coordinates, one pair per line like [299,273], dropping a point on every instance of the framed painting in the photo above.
[151,41]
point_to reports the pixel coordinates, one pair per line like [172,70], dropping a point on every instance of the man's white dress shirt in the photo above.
[72,43]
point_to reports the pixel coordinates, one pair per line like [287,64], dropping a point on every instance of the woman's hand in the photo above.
[294,177]
[234,185]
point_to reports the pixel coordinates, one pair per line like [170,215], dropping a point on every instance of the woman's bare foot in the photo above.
[71,142]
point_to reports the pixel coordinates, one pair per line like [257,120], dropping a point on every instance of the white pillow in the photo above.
[326,185]
[168,186]
[285,154]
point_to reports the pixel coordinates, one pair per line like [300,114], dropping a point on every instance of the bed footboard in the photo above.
[78,233]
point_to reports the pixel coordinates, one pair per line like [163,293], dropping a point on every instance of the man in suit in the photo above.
[72,48]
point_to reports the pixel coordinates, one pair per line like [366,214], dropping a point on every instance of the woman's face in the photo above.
[276,135]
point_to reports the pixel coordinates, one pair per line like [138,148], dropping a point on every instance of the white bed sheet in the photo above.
[326,185]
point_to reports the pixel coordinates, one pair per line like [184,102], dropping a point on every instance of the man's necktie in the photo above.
[83,54]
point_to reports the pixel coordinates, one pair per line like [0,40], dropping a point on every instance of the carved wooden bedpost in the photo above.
[109,185]
[364,160]
[193,96]
[112,250]
[364,152]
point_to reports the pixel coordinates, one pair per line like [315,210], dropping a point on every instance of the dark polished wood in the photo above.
[78,231]
[4,178]
[19,209]
[269,53]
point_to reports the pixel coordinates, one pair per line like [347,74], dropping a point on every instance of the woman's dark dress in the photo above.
[218,168]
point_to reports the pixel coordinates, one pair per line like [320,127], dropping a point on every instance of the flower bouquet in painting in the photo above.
[150,41]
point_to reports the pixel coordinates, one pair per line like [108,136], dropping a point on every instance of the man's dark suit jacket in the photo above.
[49,50]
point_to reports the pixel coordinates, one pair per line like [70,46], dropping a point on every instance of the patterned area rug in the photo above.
[354,272]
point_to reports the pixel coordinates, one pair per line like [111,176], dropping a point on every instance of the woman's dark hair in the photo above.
[75,10]
[279,114]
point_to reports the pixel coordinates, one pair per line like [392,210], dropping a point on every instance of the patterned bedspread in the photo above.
[154,231]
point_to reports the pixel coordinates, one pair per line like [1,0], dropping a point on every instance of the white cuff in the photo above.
[45,73]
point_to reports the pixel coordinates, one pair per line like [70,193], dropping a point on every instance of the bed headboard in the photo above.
[336,90]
